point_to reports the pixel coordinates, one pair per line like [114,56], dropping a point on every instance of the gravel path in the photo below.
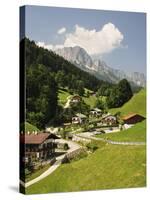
[68,102]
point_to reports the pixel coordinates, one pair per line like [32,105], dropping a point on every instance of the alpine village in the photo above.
[80,132]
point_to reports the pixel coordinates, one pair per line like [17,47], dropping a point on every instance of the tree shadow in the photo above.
[59,153]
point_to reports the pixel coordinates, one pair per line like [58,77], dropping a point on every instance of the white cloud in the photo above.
[49,46]
[95,42]
[100,42]
[46,46]
[61,31]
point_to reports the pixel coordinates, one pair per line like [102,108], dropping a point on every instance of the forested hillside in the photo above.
[137,104]
[65,73]
[45,73]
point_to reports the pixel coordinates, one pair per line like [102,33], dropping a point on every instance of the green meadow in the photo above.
[137,104]
[111,166]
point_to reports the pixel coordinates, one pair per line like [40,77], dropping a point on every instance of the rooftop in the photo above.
[36,138]
[81,115]
[131,115]
[97,109]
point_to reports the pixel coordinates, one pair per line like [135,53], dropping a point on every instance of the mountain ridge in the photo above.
[78,56]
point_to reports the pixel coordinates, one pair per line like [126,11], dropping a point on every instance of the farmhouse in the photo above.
[96,112]
[75,99]
[109,119]
[37,146]
[133,118]
[79,118]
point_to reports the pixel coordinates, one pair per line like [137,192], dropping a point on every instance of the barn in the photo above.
[133,118]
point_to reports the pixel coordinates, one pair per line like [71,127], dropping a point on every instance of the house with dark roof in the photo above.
[37,146]
[132,118]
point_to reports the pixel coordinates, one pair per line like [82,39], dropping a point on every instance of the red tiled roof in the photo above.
[36,139]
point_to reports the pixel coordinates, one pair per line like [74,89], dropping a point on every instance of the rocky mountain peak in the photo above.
[97,67]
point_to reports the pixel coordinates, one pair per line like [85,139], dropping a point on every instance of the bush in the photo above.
[81,155]
[92,147]
[27,172]
[102,131]
[66,147]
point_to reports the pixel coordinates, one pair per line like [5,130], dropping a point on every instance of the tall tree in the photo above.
[41,95]
[120,94]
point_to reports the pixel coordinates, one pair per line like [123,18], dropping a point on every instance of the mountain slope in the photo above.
[55,63]
[98,68]
[137,104]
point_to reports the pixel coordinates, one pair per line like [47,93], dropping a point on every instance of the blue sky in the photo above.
[118,38]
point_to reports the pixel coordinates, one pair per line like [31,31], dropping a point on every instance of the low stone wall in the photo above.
[125,143]
[51,162]
[73,154]
[77,138]
[88,139]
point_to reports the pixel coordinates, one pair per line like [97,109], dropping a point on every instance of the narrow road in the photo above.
[68,102]
[72,147]
[89,135]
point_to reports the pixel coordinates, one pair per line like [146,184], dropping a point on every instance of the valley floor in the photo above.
[111,166]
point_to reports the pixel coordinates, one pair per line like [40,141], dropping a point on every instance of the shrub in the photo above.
[92,147]
[102,131]
[66,147]
[81,155]
[27,172]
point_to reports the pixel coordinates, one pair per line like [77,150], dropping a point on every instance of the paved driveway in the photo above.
[72,147]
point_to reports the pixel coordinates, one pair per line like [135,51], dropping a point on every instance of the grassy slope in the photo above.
[37,173]
[109,167]
[30,127]
[137,104]
[135,134]
[62,96]
[91,100]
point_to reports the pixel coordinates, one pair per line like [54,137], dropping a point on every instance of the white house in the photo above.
[96,112]
[79,118]
[109,119]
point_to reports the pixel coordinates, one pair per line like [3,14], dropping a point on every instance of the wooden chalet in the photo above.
[37,146]
[109,119]
[132,118]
